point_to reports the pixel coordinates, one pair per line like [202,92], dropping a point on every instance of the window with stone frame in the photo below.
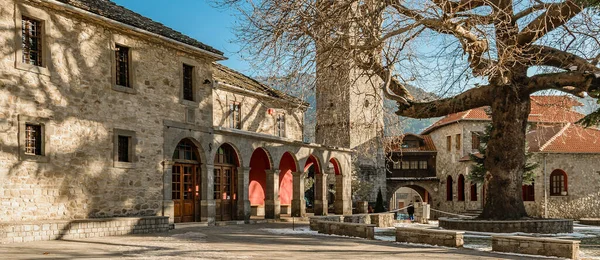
[188,82]
[280,125]
[475,140]
[33,139]
[235,116]
[449,143]
[458,142]
[124,148]
[31,41]
[122,66]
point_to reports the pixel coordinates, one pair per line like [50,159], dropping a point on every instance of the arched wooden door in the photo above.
[225,188]
[186,180]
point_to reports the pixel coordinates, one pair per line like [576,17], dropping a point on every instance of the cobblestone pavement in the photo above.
[259,241]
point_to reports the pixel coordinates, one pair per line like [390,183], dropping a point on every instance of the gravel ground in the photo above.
[260,241]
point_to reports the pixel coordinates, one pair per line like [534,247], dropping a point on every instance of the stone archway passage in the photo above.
[287,167]
[226,165]
[186,182]
[259,164]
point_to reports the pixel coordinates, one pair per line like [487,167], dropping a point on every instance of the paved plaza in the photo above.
[259,241]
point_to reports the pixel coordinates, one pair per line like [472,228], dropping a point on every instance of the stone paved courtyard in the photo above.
[260,241]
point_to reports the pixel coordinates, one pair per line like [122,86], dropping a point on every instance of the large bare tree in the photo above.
[492,53]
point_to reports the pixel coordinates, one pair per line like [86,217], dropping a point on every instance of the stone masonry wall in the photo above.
[75,100]
[64,229]
[254,114]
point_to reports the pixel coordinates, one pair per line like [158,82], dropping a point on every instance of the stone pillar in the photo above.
[243,202]
[168,205]
[320,205]
[298,202]
[207,200]
[272,206]
[341,198]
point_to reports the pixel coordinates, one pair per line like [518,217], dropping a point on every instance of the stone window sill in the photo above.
[124,165]
[124,89]
[189,103]
[33,69]
[34,158]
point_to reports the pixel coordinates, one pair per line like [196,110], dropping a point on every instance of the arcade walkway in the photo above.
[232,242]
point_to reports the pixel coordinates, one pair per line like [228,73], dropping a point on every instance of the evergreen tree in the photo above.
[478,170]
[379,203]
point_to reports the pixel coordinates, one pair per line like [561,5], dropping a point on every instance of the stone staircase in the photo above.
[473,213]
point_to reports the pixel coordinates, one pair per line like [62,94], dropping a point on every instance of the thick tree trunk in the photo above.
[505,155]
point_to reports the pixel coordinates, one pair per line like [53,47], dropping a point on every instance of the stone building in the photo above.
[567,180]
[106,113]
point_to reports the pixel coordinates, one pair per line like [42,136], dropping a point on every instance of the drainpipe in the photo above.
[545,190]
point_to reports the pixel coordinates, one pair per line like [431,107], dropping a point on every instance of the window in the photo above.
[396,165]
[122,66]
[414,165]
[33,139]
[461,187]
[475,142]
[31,37]
[529,192]
[188,82]
[280,125]
[186,150]
[558,183]
[423,165]
[449,143]
[124,148]
[235,117]
[473,191]
[458,142]
[405,165]
[449,185]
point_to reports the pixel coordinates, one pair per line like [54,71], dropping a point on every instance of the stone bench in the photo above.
[590,221]
[285,209]
[447,238]
[377,219]
[313,221]
[347,229]
[15,232]
[536,246]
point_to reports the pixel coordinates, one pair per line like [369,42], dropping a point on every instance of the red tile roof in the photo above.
[554,109]
[573,138]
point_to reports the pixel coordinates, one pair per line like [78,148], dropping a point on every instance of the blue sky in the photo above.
[197,19]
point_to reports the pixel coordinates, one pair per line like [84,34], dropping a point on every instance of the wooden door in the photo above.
[186,188]
[225,192]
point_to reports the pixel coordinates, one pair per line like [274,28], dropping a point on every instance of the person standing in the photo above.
[411,211]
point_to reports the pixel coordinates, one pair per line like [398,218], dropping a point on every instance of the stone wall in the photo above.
[314,221]
[254,113]
[590,221]
[383,219]
[536,246]
[542,226]
[76,101]
[63,229]
[347,229]
[430,236]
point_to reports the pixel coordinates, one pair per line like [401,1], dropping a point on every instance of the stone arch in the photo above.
[337,170]
[185,176]
[287,165]
[423,189]
[260,162]
[171,145]
[237,153]
[226,163]
[313,161]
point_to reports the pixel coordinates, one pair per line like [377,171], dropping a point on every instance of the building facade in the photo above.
[105,113]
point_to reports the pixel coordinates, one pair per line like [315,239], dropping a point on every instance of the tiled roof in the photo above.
[554,109]
[110,10]
[395,144]
[572,138]
[226,75]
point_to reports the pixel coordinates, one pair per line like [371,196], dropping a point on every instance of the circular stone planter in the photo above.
[590,221]
[542,226]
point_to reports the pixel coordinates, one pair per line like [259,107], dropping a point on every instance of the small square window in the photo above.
[33,139]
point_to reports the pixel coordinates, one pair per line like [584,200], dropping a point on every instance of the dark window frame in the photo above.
[558,182]
[449,143]
[122,66]
[34,139]
[280,125]
[235,115]
[120,135]
[528,192]
[188,83]
[32,41]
